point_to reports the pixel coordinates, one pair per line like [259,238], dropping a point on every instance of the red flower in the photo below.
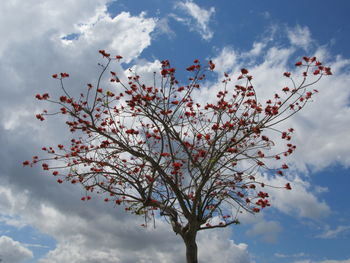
[285,89]
[287,74]
[180,89]
[232,150]
[279,173]
[299,63]
[263,194]
[64,75]
[287,186]
[26,163]
[244,71]
[191,68]
[265,138]
[131,131]
[103,53]
[40,117]
[211,65]
[177,166]
[328,71]
[215,127]
[118,57]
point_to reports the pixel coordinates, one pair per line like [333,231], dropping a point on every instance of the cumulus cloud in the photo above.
[78,228]
[216,246]
[13,251]
[300,201]
[226,61]
[93,232]
[41,17]
[124,34]
[200,16]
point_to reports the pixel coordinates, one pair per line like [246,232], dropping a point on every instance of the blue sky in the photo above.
[41,221]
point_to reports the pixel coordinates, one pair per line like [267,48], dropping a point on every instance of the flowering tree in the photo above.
[156,149]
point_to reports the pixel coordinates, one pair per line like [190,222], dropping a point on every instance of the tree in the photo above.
[156,149]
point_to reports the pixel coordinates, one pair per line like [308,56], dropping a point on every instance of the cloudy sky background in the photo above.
[41,221]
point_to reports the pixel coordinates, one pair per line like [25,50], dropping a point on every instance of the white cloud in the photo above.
[124,34]
[13,251]
[267,230]
[300,36]
[39,17]
[321,145]
[300,201]
[146,71]
[201,17]
[334,233]
[118,235]
[164,28]
[321,189]
[216,246]
[257,48]
[226,61]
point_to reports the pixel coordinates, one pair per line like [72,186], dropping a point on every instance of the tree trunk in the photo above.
[191,248]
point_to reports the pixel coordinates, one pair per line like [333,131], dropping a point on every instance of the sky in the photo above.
[42,221]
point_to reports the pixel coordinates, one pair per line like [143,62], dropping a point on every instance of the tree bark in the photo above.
[191,248]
